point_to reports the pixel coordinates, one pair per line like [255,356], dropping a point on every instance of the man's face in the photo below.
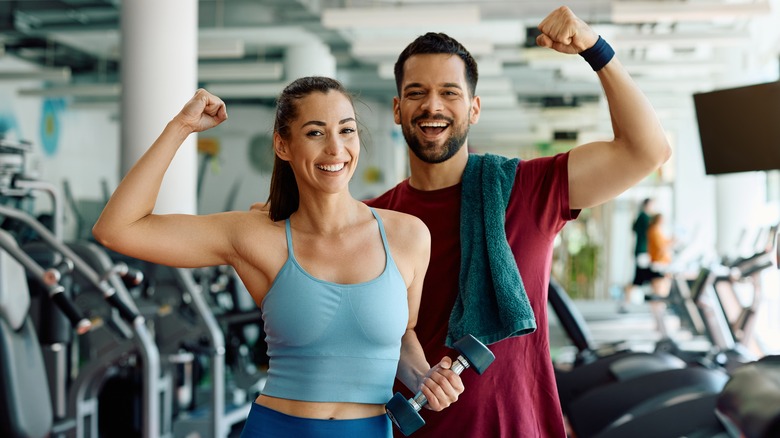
[435,108]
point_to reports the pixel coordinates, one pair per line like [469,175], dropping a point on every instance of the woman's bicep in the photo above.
[180,240]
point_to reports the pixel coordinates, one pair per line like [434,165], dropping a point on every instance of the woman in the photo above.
[659,246]
[338,283]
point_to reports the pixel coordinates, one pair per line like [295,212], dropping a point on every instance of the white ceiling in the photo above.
[672,48]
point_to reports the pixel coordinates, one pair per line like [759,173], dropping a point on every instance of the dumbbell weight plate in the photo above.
[403,415]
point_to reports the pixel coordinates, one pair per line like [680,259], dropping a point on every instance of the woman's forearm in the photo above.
[412,366]
[137,193]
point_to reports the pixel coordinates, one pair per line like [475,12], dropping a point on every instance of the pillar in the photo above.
[158,70]
[309,59]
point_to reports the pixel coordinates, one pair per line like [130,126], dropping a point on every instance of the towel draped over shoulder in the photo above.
[492,303]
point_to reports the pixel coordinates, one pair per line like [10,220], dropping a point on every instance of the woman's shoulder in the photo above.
[241,220]
[399,217]
[403,224]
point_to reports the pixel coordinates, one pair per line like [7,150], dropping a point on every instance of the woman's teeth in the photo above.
[331,167]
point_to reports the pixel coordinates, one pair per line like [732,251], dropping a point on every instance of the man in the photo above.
[436,81]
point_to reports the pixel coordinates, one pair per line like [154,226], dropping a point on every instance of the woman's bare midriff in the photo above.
[321,410]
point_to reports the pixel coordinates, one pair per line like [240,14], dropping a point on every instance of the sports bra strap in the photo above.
[288,234]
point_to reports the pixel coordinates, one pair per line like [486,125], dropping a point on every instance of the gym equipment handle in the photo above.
[79,264]
[77,320]
[127,313]
[50,279]
[130,276]
[109,293]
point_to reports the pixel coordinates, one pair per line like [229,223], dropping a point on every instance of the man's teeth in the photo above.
[433,125]
[331,167]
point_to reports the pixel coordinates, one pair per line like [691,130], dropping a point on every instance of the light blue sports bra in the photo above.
[330,342]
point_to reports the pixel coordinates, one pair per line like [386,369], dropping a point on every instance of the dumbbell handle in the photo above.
[419,400]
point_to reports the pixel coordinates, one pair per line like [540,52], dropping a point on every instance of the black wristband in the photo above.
[599,55]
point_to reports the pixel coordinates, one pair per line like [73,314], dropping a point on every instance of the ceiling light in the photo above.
[731,38]
[85,90]
[46,74]
[388,49]
[246,91]
[234,72]
[221,49]
[653,11]
[402,16]
[676,69]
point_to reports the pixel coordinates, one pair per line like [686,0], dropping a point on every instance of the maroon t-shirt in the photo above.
[517,395]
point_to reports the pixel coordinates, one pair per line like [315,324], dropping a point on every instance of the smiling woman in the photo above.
[336,281]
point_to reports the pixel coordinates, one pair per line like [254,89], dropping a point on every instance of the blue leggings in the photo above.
[263,422]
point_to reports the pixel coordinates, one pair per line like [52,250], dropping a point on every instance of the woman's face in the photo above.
[323,146]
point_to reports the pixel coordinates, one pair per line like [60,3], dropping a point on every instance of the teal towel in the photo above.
[492,303]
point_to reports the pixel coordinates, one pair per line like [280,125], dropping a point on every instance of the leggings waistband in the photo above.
[268,423]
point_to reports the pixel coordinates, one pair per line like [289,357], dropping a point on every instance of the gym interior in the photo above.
[86,85]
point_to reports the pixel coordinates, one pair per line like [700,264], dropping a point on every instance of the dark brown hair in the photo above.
[283,198]
[433,43]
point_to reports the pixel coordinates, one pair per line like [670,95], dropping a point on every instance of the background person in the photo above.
[531,201]
[642,272]
[338,282]
[659,248]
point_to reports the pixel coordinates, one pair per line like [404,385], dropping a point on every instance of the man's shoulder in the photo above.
[386,199]
[544,165]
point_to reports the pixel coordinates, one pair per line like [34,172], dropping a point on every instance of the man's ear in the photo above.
[280,147]
[397,110]
[475,110]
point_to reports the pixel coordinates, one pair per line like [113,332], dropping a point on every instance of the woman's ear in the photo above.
[280,147]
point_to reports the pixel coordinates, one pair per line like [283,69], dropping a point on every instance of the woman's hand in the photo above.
[441,386]
[204,111]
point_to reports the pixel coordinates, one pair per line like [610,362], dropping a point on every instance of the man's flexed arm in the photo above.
[601,170]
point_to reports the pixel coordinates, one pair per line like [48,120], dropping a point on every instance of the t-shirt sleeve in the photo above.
[541,193]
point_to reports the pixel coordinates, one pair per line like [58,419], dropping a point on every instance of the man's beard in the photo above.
[428,152]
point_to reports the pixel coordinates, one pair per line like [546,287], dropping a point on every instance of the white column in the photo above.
[309,59]
[159,74]
[739,199]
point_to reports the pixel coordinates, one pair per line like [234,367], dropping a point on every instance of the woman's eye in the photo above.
[313,133]
[348,130]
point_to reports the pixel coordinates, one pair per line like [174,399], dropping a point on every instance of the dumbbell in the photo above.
[404,413]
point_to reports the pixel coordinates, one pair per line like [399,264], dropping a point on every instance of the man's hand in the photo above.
[564,32]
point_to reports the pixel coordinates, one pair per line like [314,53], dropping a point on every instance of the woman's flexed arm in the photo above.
[127,224]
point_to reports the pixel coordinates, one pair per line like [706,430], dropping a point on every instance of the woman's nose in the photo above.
[334,145]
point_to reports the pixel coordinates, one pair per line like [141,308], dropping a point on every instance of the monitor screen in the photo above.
[740,128]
